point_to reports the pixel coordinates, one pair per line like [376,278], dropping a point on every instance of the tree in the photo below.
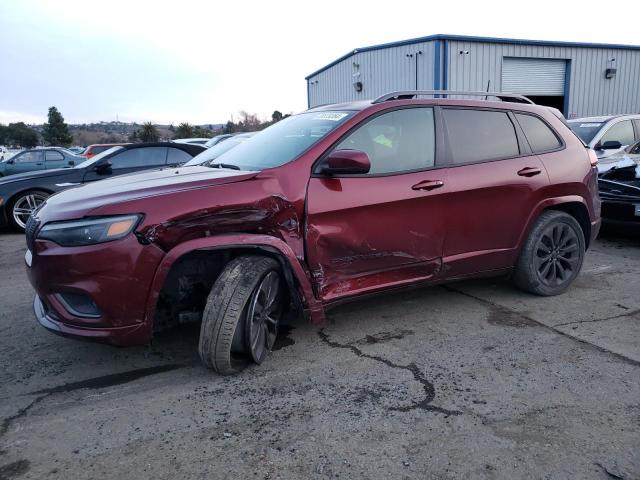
[172,128]
[184,130]
[133,137]
[56,132]
[276,116]
[148,133]
[230,127]
[21,134]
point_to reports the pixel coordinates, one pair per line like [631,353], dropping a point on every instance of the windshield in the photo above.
[214,152]
[97,158]
[216,140]
[586,130]
[284,141]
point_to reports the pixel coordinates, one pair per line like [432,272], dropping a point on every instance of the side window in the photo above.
[52,156]
[621,132]
[540,136]
[635,149]
[177,156]
[398,141]
[29,157]
[140,157]
[480,135]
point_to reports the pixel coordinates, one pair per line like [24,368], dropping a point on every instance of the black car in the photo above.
[21,194]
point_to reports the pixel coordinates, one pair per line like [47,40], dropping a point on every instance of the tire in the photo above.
[552,255]
[232,313]
[24,201]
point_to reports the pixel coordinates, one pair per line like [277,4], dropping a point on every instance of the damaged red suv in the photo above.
[328,205]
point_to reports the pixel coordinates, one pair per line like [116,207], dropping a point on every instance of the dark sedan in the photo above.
[21,194]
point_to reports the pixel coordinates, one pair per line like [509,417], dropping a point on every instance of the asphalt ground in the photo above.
[471,380]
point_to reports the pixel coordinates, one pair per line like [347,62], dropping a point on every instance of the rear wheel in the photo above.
[21,207]
[552,256]
[241,318]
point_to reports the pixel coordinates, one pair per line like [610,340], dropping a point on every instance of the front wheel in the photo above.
[243,311]
[552,255]
[21,207]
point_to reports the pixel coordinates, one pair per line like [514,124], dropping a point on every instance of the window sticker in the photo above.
[332,116]
[589,125]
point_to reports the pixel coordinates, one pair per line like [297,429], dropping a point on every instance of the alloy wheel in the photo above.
[557,256]
[24,206]
[263,316]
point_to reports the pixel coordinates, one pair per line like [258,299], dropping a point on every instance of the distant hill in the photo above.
[118,132]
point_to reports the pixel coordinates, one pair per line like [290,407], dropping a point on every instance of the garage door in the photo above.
[533,76]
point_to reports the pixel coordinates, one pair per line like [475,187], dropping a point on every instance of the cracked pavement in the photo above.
[471,380]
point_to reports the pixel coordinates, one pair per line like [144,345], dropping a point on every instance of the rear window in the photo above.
[586,130]
[540,136]
[480,135]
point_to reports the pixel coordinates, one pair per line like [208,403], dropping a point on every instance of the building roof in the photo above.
[466,38]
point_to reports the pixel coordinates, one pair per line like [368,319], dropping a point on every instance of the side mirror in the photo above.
[11,161]
[609,145]
[72,163]
[345,162]
[104,168]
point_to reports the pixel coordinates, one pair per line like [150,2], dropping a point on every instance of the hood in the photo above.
[79,201]
[620,160]
[35,175]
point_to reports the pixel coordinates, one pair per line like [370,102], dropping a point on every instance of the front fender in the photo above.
[235,241]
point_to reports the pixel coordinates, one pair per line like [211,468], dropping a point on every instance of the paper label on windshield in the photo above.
[332,116]
[589,125]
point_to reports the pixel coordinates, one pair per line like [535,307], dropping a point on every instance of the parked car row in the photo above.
[328,205]
[21,194]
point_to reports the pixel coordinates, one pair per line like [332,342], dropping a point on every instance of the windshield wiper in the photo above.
[225,165]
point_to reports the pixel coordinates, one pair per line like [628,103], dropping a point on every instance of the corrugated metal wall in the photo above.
[590,93]
[388,69]
[380,71]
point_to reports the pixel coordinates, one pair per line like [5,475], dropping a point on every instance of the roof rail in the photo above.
[505,97]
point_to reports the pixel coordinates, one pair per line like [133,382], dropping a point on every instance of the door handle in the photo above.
[529,172]
[428,185]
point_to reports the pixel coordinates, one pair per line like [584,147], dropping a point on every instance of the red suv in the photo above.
[331,204]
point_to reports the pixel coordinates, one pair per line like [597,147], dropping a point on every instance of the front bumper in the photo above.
[621,211]
[116,276]
[120,336]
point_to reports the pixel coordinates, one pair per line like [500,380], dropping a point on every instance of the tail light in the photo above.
[593,158]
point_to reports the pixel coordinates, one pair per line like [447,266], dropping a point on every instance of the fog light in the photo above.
[79,304]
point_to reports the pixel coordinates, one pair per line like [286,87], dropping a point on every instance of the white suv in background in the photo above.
[609,134]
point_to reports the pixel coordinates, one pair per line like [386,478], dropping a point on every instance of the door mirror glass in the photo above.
[345,162]
[11,161]
[104,168]
[71,162]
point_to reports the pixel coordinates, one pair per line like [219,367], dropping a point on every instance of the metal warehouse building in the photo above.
[580,79]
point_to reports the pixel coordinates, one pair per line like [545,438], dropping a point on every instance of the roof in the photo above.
[466,38]
[602,118]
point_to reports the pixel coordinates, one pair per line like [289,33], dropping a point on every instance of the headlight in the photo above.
[89,231]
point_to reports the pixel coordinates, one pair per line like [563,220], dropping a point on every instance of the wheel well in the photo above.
[578,211]
[191,277]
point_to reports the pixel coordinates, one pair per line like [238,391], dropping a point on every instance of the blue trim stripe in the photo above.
[436,65]
[567,88]
[445,69]
[465,38]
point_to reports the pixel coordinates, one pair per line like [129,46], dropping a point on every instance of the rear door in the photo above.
[495,183]
[384,228]
[54,159]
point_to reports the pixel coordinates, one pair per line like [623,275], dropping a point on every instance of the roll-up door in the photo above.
[533,76]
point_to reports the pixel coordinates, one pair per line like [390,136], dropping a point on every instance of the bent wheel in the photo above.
[240,320]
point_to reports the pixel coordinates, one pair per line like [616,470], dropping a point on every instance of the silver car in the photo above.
[607,135]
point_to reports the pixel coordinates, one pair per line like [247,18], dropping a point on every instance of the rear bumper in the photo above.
[620,211]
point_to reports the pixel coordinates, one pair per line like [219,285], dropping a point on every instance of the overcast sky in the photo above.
[203,61]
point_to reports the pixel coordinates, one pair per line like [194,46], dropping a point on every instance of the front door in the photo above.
[26,162]
[385,228]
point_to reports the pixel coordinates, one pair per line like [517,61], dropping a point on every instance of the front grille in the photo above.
[30,230]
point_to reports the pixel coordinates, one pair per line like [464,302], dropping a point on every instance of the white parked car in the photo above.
[195,141]
[607,135]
